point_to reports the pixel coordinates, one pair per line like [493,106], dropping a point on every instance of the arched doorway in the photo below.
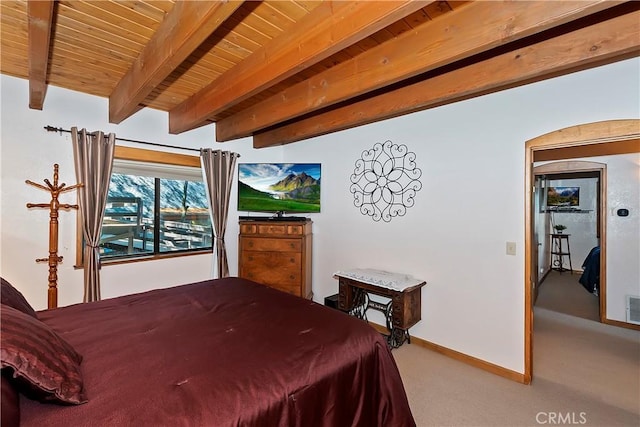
[587,140]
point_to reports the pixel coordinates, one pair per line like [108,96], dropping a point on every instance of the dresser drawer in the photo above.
[272,229]
[265,244]
[295,230]
[271,262]
[272,268]
[290,289]
[248,228]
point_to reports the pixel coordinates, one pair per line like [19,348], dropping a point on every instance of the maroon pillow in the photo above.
[12,297]
[43,366]
[10,415]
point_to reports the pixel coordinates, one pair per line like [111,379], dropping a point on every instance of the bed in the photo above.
[225,352]
[590,277]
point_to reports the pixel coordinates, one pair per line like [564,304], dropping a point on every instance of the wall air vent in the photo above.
[633,309]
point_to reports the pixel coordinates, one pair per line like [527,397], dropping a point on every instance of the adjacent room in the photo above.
[332,213]
[574,219]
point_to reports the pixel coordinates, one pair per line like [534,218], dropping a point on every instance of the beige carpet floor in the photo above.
[563,293]
[585,373]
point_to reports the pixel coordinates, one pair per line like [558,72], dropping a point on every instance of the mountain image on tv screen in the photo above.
[563,196]
[273,187]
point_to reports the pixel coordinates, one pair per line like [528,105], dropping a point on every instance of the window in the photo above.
[154,208]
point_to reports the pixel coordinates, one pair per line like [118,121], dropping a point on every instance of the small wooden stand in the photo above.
[558,252]
[54,205]
[402,312]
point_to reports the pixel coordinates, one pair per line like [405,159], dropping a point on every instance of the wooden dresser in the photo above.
[277,254]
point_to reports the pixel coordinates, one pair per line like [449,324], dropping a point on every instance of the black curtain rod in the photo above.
[55,129]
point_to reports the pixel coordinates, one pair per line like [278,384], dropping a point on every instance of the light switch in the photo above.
[511,248]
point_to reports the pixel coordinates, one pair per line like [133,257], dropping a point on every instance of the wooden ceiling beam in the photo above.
[467,31]
[184,28]
[331,27]
[40,15]
[601,43]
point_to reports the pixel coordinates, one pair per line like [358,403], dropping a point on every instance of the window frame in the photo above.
[147,156]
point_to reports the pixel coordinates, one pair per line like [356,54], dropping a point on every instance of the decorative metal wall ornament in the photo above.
[385,181]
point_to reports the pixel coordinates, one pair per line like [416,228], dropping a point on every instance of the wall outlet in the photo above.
[511,248]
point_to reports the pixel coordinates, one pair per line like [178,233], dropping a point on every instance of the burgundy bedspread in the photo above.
[225,352]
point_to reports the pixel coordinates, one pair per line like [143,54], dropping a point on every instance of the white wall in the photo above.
[623,233]
[471,203]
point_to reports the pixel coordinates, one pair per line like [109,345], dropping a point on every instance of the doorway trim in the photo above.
[586,140]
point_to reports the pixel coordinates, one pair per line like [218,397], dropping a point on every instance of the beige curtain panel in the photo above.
[218,169]
[93,158]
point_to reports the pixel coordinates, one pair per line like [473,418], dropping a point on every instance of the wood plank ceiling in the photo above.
[285,70]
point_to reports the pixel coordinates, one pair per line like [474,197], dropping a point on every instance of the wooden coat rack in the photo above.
[54,205]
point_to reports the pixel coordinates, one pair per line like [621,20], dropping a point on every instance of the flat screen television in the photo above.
[279,187]
[563,196]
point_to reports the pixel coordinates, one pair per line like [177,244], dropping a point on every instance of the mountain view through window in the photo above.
[146,216]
